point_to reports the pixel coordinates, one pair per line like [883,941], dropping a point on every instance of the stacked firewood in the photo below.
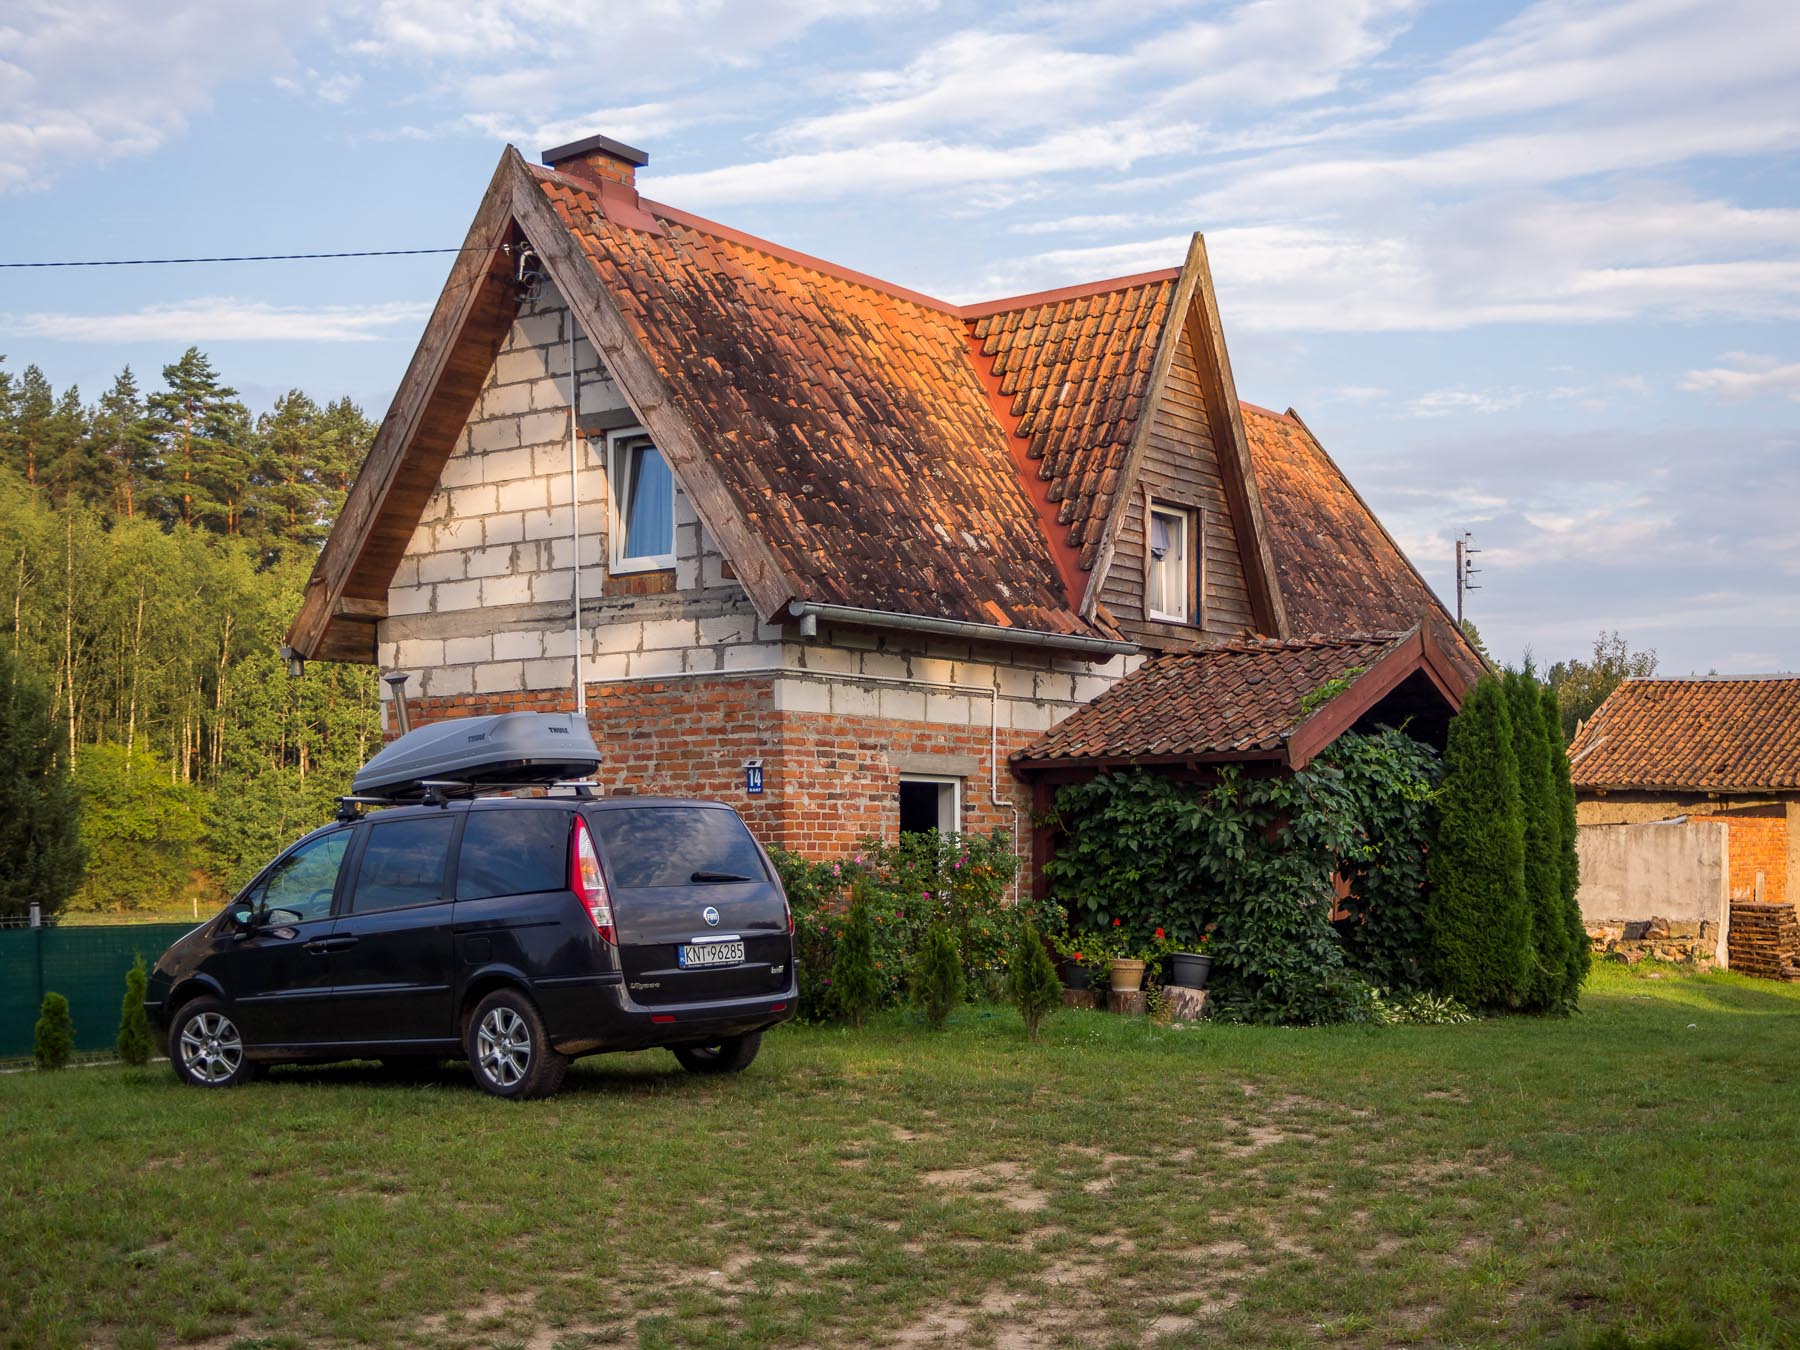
[1765,941]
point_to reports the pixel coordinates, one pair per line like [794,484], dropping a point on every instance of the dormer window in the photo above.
[643,503]
[1166,567]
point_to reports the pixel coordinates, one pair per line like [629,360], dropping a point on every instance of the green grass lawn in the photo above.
[1512,1182]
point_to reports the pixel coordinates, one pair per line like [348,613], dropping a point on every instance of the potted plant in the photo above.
[1129,962]
[1191,968]
[1078,957]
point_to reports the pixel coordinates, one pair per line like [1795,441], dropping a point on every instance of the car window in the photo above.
[403,863]
[513,852]
[303,881]
[668,845]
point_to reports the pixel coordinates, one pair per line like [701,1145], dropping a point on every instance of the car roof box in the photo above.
[505,748]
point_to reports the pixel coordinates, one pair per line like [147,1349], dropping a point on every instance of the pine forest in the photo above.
[153,548]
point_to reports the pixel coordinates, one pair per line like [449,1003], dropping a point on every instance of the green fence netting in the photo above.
[86,965]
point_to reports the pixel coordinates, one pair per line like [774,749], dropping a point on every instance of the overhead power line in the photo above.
[247,257]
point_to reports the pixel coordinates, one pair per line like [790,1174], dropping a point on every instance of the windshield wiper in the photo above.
[719,876]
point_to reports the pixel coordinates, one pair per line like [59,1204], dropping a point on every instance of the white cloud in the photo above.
[227,319]
[83,84]
[905,165]
[1747,377]
[1481,402]
[1648,52]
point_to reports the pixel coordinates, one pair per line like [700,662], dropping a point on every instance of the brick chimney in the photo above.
[599,159]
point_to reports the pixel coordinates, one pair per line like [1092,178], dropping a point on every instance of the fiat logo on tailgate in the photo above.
[711,916]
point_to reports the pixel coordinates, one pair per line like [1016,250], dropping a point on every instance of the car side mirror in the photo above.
[243,916]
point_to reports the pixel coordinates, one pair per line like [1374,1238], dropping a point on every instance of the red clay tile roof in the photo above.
[1339,570]
[1235,699]
[1076,370]
[1717,735]
[856,439]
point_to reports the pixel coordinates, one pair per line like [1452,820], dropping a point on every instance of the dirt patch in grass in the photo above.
[1002,1180]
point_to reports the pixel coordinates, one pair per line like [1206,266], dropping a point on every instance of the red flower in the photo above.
[1080,957]
[1159,934]
[1115,923]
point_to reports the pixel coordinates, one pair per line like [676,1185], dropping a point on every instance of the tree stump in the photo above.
[1133,1004]
[1184,1004]
[1078,998]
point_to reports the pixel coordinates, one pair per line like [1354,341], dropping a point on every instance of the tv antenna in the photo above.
[1465,568]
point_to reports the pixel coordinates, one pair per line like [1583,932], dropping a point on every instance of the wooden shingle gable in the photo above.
[1193,323]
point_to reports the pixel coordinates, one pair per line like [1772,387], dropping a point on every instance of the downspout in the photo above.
[575,505]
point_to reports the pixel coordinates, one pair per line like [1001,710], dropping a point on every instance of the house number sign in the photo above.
[753,779]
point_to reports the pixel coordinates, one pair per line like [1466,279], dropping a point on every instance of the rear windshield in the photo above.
[669,845]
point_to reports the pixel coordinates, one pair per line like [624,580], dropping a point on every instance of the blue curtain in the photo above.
[650,507]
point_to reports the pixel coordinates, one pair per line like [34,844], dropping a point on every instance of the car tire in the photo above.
[509,1050]
[731,1055]
[206,1047]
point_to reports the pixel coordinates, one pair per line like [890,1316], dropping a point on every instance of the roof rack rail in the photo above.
[440,792]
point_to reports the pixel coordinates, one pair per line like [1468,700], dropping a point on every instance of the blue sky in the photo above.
[1530,270]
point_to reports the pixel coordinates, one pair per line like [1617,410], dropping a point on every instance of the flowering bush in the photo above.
[958,880]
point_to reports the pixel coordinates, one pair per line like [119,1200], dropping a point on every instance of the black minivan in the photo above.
[515,932]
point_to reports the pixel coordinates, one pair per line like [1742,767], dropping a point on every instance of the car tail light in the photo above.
[788,910]
[587,882]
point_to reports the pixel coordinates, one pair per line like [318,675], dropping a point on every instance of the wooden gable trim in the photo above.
[356,566]
[1233,448]
[1166,346]
[1417,652]
[755,564]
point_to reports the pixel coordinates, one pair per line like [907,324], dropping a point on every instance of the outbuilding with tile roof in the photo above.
[1723,748]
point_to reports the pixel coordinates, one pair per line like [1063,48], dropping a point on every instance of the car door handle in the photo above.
[334,943]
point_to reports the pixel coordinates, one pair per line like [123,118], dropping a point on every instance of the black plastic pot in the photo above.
[1075,975]
[1189,969]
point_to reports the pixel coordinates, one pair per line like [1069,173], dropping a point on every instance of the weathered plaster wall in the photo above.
[1765,831]
[1672,871]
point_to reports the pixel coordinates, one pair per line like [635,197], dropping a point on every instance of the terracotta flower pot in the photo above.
[1127,976]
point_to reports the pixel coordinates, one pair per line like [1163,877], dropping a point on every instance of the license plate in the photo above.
[710,954]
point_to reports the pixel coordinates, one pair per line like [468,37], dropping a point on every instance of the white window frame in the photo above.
[952,799]
[617,491]
[1182,521]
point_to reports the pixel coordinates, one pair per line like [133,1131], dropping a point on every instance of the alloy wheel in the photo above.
[211,1048]
[503,1046]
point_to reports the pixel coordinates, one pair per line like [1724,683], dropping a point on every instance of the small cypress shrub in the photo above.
[1579,952]
[134,1027]
[855,983]
[1543,860]
[1479,930]
[937,976]
[54,1044]
[1031,981]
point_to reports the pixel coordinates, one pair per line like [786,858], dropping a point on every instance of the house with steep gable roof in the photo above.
[818,545]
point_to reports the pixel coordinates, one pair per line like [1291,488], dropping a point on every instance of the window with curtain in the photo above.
[1166,569]
[643,505]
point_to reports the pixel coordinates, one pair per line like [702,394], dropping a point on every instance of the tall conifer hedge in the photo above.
[1579,952]
[1541,814]
[1478,924]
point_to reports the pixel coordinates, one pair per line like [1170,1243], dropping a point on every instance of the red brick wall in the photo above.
[1758,843]
[827,778]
